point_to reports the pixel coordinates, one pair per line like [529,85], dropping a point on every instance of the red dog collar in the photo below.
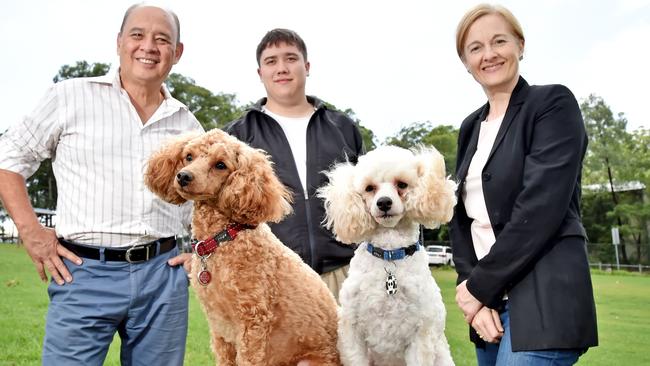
[208,246]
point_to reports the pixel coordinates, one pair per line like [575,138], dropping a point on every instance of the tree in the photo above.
[442,137]
[618,158]
[213,111]
[81,69]
[634,209]
[367,135]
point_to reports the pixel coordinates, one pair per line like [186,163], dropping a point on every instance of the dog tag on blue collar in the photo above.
[391,283]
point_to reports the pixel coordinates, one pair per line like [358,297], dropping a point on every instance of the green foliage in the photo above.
[81,69]
[367,135]
[443,137]
[41,186]
[212,110]
[605,157]
[615,158]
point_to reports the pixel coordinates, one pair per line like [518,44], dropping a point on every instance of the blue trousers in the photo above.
[146,303]
[501,354]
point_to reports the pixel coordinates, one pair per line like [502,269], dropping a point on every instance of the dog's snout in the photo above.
[184,178]
[384,203]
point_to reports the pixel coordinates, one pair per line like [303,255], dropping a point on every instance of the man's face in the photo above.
[147,47]
[283,70]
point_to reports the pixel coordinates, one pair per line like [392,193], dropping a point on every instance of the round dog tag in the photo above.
[204,277]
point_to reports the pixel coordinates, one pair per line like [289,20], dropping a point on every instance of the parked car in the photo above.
[439,254]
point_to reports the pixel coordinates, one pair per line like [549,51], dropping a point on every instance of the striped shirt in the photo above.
[99,149]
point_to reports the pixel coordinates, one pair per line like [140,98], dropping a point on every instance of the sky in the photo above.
[392,62]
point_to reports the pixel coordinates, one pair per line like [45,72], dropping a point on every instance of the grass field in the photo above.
[622,301]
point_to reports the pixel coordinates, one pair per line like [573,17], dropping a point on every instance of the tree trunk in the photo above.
[618,218]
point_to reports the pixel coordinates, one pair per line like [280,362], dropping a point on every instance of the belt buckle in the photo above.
[127,256]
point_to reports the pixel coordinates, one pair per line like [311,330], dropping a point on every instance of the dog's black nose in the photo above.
[384,203]
[184,178]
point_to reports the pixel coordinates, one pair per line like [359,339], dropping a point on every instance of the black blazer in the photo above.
[531,186]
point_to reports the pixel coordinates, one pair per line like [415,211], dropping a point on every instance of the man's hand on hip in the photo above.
[43,247]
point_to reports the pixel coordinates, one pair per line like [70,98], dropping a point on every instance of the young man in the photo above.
[113,257]
[304,138]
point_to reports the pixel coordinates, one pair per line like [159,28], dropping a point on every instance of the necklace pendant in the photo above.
[391,283]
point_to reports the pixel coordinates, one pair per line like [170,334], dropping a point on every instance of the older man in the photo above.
[113,259]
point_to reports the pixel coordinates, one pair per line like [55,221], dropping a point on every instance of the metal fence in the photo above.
[625,267]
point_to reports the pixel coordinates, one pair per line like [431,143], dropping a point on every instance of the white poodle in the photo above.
[391,308]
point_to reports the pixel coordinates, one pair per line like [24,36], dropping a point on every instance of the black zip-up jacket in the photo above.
[331,137]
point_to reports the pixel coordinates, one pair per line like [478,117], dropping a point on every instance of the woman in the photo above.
[518,241]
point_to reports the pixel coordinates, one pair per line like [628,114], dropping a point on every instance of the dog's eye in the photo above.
[370,188]
[402,185]
[220,165]
[188,157]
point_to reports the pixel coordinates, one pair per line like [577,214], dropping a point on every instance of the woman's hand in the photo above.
[487,325]
[467,303]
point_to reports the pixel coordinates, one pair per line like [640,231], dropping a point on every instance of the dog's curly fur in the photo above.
[382,200]
[264,305]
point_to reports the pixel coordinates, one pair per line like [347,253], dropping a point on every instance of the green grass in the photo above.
[622,301]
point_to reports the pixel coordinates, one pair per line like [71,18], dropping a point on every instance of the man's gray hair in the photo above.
[168,11]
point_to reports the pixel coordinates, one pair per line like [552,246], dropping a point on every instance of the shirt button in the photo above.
[487,176]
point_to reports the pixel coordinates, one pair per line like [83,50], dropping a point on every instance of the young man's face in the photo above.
[283,70]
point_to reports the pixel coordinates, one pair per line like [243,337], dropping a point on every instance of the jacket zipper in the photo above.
[310,231]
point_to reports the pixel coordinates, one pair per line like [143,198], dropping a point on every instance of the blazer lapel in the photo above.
[514,105]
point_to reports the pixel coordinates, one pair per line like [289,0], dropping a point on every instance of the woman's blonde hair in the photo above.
[478,11]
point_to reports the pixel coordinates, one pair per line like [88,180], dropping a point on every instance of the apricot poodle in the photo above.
[391,308]
[263,304]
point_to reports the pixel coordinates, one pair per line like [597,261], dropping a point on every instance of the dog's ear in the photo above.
[163,166]
[345,211]
[253,193]
[432,201]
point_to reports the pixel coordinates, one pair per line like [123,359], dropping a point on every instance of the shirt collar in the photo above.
[113,78]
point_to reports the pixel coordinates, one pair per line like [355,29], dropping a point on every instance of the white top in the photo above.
[295,129]
[99,148]
[481,228]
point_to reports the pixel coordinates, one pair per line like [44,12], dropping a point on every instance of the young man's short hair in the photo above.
[280,35]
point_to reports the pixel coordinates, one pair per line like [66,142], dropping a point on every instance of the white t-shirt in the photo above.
[295,129]
[481,228]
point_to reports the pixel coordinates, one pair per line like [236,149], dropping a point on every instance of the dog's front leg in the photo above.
[253,345]
[352,347]
[225,352]
[428,349]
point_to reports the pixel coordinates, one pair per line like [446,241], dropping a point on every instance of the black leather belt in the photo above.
[135,254]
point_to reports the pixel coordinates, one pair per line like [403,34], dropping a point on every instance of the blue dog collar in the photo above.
[394,254]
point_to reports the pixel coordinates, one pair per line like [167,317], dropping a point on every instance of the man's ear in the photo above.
[118,43]
[179,52]
[307,67]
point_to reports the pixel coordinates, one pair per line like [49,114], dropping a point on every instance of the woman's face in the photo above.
[491,54]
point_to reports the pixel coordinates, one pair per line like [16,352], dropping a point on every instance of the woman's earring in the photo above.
[521,57]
